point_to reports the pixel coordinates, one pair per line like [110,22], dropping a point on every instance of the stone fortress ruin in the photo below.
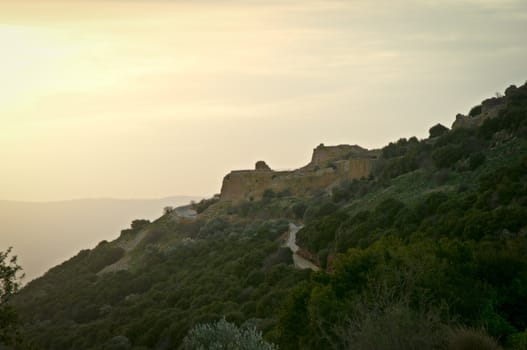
[329,166]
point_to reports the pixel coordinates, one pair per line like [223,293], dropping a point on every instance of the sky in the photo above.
[144,99]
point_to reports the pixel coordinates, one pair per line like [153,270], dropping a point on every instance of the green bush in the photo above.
[447,156]
[281,256]
[9,285]
[299,209]
[321,232]
[135,227]
[223,335]
[438,130]
[474,111]
[216,226]
[204,204]
[139,224]
[267,195]
[399,148]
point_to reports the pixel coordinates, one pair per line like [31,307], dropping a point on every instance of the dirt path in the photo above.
[300,262]
[185,211]
[128,246]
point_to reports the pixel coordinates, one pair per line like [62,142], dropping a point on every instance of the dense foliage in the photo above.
[429,252]
[9,284]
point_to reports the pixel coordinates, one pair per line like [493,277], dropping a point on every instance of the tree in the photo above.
[9,285]
[139,224]
[167,210]
[437,130]
[224,335]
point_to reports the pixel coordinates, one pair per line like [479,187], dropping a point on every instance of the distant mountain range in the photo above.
[44,234]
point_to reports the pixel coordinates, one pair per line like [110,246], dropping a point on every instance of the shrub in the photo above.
[321,232]
[327,208]
[272,229]
[139,224]
[268,195]
[119,342]
[223,335]
[447,156]
[243,209]
[457,137]
[476,160]
[215,226]
[135,227]
[437,130]
[512,120]
[471,339]
[399,148]
[299,209]
[284,193]
[204,204]
[475,111]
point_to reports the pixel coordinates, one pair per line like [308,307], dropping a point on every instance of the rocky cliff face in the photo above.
[329,165]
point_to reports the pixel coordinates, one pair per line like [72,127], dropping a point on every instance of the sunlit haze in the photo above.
[143,99]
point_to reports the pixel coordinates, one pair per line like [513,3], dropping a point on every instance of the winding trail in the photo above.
[300,262]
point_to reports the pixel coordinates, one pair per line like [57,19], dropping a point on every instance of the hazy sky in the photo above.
[137,98]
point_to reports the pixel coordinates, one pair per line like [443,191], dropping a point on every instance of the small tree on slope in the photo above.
[9,284]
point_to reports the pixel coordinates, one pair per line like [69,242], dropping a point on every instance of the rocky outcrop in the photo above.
[329,166]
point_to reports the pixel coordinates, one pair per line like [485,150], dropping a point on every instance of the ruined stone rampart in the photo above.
[324,154]
[326,169]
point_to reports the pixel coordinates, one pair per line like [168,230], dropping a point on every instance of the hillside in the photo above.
[57,230]
[431,240]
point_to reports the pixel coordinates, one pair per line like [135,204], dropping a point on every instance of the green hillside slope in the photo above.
[428,252]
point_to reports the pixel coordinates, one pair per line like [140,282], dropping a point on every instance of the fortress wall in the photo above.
[354,168]
[250,185]
[323,154]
